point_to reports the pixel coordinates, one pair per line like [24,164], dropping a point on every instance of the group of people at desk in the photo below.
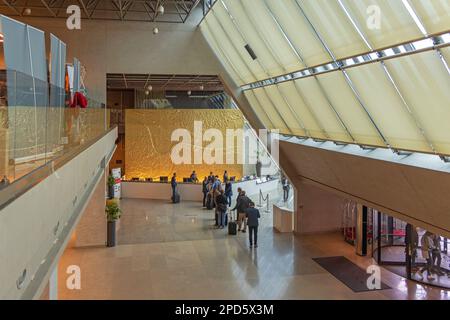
[217,195]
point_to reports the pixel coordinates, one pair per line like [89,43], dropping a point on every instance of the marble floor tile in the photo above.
[168,251]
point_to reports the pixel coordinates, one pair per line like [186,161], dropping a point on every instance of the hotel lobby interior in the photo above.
[124,124]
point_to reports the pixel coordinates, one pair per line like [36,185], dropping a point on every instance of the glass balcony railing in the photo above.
[37,125]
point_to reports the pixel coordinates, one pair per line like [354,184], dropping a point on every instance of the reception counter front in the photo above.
[191,191]
[160,190]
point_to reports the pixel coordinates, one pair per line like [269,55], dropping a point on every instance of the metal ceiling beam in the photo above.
[179,13]
[147,7]
[191,9]
[155,12]
[127,6]
[48,8]
[11,6]
[84,8]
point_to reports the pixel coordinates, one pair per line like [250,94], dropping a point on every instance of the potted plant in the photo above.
[111,182]
[113,212]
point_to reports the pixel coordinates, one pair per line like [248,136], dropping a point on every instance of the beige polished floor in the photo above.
[171,251]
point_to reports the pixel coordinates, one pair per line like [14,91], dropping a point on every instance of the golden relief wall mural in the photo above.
[148,145]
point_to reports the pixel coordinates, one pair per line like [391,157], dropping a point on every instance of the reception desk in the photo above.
[161,190]
[191,191]
[282,219]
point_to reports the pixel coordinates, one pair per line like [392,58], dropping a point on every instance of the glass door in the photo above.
[349,222]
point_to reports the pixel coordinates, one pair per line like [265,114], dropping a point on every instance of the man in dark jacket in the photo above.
[221,202]
[242,204]
[252,215]
[205,190]
[173,183]
[228,192]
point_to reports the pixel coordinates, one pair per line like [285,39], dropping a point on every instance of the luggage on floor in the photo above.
[176,199]
[232,227]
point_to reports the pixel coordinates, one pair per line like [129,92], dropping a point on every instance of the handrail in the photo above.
[18,187]
[261,197]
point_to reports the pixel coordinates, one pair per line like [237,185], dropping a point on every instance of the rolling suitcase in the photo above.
[232,226]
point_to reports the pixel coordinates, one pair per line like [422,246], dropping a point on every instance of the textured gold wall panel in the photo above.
[148,142]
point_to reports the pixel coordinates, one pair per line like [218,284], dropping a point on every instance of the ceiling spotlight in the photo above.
[201,87]
[189,92]
[155,30]
[149,87]
[27,11]
[160,9]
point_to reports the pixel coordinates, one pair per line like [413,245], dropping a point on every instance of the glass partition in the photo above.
[37,125]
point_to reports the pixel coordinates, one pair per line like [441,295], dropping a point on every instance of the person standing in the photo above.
[285,184]
[239,191]
[252,214]
[228,192]
[205,190]
[411,242]
[436,254]
[427,244]
[242,205]
[221,207]
[173,183]
[193,177]
[225,176]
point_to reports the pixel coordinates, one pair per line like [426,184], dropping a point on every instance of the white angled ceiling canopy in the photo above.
[370,72]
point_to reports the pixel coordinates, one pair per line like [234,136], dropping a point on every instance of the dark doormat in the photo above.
[348,273]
